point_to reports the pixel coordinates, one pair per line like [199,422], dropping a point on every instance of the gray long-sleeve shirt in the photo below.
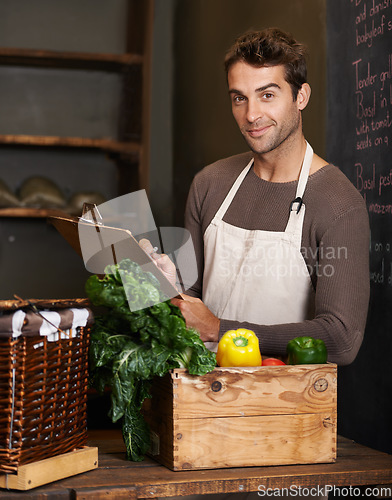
[335,247]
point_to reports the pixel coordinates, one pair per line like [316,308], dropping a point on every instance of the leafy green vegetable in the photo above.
[132,343]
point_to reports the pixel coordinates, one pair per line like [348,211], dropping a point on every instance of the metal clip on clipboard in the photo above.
[91,207]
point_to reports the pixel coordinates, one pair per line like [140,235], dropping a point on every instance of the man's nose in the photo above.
[254,111]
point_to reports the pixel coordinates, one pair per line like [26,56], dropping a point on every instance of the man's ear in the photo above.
[303,96]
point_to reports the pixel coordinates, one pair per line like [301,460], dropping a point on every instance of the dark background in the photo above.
[360,142]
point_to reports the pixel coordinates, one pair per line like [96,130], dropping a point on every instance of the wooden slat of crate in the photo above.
[51,469]
[250,441]
[246,441]
[252,391]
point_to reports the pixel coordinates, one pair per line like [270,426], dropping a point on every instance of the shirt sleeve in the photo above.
[194,226]
[342,291]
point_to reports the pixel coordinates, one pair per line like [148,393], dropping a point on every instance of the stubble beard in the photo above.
[273,141]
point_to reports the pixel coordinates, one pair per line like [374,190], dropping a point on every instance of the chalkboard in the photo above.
[359,141]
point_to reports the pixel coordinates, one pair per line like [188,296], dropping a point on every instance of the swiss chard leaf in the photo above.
[136,433]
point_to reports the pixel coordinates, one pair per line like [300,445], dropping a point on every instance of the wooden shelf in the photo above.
[127,148]
[76,60]
[37,213]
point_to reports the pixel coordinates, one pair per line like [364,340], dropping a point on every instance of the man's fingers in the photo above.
[166,264]
[176,302]
[162,261]
[182,302]
[190,298]
[146,246]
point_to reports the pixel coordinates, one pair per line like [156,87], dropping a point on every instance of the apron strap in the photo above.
[303,179]
[297,207]
[230,195]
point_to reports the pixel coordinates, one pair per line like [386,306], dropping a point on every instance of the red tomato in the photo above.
[272,362]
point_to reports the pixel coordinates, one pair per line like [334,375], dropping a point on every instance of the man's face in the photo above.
[263,106]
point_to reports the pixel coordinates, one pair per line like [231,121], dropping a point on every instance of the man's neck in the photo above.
[283,164]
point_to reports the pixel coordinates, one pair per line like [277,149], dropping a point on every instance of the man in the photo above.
[281,236]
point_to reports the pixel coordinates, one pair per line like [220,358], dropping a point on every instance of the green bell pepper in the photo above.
[306,350]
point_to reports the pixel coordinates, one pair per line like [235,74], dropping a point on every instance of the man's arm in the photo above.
[342,296]
[194,226]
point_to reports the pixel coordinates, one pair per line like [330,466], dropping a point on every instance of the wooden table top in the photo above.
[117,478]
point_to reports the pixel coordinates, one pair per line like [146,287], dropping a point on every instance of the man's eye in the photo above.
[238,99]
[268,95]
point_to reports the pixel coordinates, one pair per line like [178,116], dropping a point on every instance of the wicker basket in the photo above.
[43,381]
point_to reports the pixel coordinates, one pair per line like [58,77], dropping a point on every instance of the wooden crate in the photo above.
[237,417]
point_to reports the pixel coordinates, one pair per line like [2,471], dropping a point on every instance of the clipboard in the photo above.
[114,245]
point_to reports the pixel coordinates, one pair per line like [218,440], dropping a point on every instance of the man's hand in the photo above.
[162,261]
[198,316]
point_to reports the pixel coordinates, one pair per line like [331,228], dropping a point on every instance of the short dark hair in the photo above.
[271,47]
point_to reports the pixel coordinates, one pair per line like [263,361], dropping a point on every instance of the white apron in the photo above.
[258,276]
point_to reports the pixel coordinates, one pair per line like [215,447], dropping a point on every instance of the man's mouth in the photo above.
[257,132]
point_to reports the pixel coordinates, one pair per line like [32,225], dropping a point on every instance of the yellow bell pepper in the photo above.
[239,348]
